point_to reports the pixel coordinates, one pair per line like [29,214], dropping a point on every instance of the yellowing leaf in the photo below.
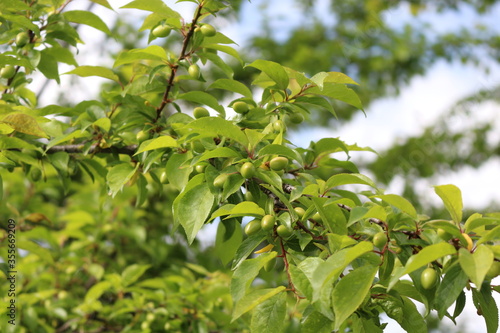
[25,124]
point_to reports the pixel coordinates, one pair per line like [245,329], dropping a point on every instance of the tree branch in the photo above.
[173,68]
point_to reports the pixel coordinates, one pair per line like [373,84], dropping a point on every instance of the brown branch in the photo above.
[173,70]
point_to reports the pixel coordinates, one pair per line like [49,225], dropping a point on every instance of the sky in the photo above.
[418,105]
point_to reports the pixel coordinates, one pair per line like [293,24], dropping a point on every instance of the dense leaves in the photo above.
[109,196]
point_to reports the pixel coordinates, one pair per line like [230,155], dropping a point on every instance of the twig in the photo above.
[173,68]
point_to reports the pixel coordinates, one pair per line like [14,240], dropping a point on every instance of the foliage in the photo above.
[108,196]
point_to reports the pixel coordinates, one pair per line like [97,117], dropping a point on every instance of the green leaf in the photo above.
[425,256]
[247,247]
[333,77]
[477,264]
[399,202]
[275,71]
[193,219]
[348,178]
[87,18]
[413,322]
[244,275]
[350,292]
[332,215]
[485,303]
[178,175]
[119,175]
[452,199]
[103,3]
[152,52]
[228,239]
[269,316]
[253,299]
[48,65]
[36,249]
[330,270]
[339,92]
[24,123]
[330,145]
[96,291]
[132,273]
[449,289]
[85,71]
[204,99]
[279,150]
[217,126]
[155,6]
[316,322]
[245,208]
[219,152]
[232,85]
[492,235]
[164,141]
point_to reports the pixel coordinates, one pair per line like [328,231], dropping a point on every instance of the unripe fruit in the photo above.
[164,177]
[267,222]
[7,72]
[207,30]
[300,211]
[443,234]
[161,31]
[316,217]
[470,244]
[194,71]
[252,227]
[240,107]
[200,112]
[380,239]
[247,170]
[270,265]
[278,163]
[220,180]
[428,278]
[494,270]
[22,39]
[142,136]
[35,174]
[278,125]
[296,118]
[248,196]
[200,168]
[283,231]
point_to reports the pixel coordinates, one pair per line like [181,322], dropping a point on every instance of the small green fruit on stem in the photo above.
[278,163]
[207,30]
[161,31]
[220,180]
[22,39]
[164,177]
[142,136]
[247,170]
[240,107]
[300,211]
[200,112]
[194,71]
[380,239]
[283,231]
[428,278]
[252,227]
[7,72]
[267,222]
